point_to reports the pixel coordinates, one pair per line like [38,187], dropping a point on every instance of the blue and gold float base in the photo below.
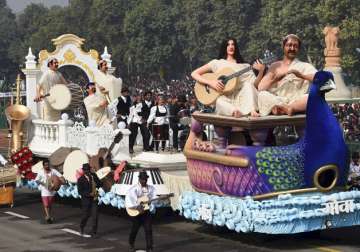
[286,214]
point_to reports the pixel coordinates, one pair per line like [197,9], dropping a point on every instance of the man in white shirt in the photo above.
[44,178]
[284,88]
[95,106]
[137,120]
[144,218]
[50,78]
[107,84]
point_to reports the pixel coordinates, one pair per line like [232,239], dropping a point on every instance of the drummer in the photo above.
[158,115]
[43,178]
[175,126]
[49,78]
[95,106]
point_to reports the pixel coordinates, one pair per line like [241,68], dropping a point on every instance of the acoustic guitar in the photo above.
[145,203]
[103,157]
[208,95]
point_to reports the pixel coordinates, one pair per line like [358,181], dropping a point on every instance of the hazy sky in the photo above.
[19,5]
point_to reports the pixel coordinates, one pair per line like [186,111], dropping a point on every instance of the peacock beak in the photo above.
[328,86]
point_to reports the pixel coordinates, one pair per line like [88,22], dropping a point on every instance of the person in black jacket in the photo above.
[175,125]
[123,107]
[145,107]
[87,187]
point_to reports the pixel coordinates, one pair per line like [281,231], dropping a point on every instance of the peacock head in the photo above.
[324,80]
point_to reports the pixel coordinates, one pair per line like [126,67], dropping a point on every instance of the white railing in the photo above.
[50,136]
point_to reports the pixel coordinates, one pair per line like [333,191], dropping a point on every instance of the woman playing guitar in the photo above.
[241,100]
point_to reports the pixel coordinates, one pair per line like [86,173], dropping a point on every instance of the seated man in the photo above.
[95,106]
[283,90]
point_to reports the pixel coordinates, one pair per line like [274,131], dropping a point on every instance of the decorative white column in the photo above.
[121,150]
[31,71]
[106,56]
[91,143]
[64,124]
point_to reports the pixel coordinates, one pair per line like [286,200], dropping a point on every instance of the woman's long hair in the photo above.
[223,53]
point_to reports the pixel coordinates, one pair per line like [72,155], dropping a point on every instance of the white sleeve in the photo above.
[131,198]
[151,194]
[57,173]
[152,114]
[131,114]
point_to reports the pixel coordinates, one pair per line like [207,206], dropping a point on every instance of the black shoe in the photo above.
[48,220]
[132,248]
[93,234]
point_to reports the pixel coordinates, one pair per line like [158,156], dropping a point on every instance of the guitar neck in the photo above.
[238,73]
[109,150]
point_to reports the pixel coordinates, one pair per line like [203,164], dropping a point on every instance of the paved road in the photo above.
[171,232]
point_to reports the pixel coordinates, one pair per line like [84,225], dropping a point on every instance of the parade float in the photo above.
[72,141]
[272,188]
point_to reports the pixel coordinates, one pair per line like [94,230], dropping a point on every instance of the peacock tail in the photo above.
[282,167]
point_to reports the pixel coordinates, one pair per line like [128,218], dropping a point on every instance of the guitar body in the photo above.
[206,94]
[144,200]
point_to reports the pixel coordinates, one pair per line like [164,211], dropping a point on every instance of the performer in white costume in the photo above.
[243,100]
[95,106]
[50,78]
[107,82]
[283,90]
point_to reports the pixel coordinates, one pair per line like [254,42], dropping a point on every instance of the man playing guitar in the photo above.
[144,218]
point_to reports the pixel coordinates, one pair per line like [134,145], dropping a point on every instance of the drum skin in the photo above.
[63,97]
[73,162]
[60,97]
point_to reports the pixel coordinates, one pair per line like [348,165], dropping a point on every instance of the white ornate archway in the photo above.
[68,51]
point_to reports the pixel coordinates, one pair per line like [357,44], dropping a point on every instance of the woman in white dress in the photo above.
[243,100]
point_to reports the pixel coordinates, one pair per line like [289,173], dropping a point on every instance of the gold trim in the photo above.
[69,56]
[321,170]
[80,64]
[211,157]
[43,55]
[261,196]
[68,38]
[94,54]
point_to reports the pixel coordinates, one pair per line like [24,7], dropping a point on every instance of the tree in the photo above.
[150,36]
[279,18]
[8,31]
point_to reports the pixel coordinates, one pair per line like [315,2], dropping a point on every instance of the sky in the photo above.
[19,5]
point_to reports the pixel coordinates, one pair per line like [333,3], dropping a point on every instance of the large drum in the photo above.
[160,132]
[77,95]
[65,97]
[74,162]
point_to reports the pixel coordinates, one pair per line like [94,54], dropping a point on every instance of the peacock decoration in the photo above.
[318,160]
